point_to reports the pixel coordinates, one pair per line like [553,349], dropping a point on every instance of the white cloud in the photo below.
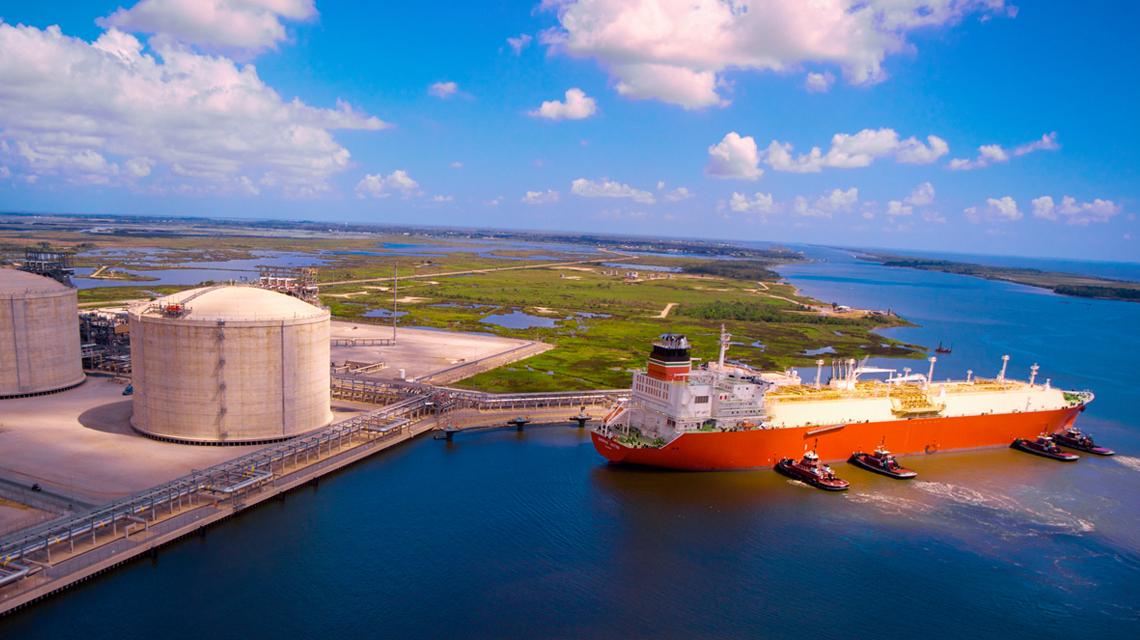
[912,151]
[139,167]
[934,216]
[995,154]
[442,198]
[5,172]
[540,197]
[896,208]
[678,194]
[456,165]
[494,202]
[65,104]
[443,89]
[217,25]
[819,82]
[849,151]
[606,188]
[679,50]
[1047,142]
[519,42]
[1074,212]
[1002,209]
[576,107]
[734,157]
[759,203]
[836,201]
[922,195]
[378,185]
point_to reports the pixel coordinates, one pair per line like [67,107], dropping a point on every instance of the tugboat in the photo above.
[1045,447]
[809,471]
[882,461]
[1073,438]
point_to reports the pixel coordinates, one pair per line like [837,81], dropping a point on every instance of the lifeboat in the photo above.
[883,462]
[809,471]
[1045,447]
[1073,438]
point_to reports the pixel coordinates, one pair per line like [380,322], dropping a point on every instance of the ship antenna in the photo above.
[818,371]
[724,338]
[1004,363]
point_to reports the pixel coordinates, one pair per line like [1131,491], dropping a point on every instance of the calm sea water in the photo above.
[531,535]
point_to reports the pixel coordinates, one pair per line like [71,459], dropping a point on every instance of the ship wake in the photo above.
[1007,515]
[1128,461]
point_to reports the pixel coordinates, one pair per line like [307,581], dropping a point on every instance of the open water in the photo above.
[532,535]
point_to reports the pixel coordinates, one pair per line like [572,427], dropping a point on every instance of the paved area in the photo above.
[79,443]
[418,351]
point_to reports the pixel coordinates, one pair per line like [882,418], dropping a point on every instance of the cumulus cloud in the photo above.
[1002,209]
[734,157]
[442,198]
[860,149]
[922,195]
[540,197]
[456,165]
[103,111]
[216,25]
[836,201]
[678,194]
[819,82]
[443,89]
[519,42]
[678,51]
[995,154]
[576,107]
[606,188]
[1073,212]
[760,203]
[378,185]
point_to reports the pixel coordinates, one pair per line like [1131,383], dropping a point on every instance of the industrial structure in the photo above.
[39,335]
[299,282]
[106,340]
[229,365]
[48,262]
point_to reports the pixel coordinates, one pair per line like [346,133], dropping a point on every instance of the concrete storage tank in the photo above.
[39,335]
[229,364]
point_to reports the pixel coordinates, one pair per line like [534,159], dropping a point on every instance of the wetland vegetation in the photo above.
[600,319]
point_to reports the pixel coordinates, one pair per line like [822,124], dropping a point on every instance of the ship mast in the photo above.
[724,340]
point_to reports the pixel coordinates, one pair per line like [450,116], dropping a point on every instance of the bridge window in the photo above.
[701,400]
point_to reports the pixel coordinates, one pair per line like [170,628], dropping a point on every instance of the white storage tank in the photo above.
[39,335]
[229,365]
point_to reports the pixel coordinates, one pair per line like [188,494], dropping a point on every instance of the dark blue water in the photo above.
[531,535]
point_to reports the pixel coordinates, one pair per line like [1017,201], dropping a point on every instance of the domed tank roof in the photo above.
[234,303]
[14,282]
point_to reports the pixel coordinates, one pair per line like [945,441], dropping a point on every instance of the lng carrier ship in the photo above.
[728,416]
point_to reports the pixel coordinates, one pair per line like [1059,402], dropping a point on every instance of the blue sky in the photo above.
[246,116]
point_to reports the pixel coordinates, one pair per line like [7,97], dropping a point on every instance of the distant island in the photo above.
[1066,284]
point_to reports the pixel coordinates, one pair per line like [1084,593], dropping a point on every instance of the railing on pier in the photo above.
[226,480]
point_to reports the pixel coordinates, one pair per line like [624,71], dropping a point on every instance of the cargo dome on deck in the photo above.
[39,335]
[229,364]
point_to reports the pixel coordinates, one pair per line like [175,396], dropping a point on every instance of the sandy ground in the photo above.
[15,516]
[417,351]
[665,312]
[79,443]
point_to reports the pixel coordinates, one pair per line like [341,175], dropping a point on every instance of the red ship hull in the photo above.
[716,451]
